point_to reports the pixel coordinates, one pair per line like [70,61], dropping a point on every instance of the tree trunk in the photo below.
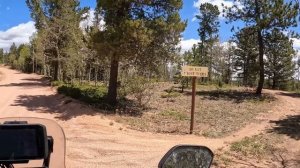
[113,81]
[56,69]
[261,64]
[261,50]
[274,84]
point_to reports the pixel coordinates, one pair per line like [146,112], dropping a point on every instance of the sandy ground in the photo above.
[95,141]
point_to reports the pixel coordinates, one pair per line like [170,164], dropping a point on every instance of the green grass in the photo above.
[257,146]
[174,115]
[57,83]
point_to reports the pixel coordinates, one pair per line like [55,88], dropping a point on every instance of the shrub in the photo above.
[85,93]
[137,87]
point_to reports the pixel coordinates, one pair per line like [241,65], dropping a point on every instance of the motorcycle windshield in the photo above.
[57,157]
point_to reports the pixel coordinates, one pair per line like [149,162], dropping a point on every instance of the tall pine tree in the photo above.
[208,31]
[59,35]
[279,59]
[139,32]
[246,56]
[264,16]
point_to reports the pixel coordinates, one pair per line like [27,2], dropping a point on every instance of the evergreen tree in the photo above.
[246,56]
[24,58]
[208,31]
[13,56]
[143,33]
[227,58]
[60,38]
[279,59]
[264,16]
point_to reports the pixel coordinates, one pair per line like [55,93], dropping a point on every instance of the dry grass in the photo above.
[257,146]
[264,150]
[219,111]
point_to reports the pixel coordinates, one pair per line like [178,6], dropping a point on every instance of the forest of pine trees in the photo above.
[141,39]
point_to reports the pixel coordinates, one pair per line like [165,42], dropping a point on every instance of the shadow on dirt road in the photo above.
[64,108]
[289,126]
[29,83]
[294,95]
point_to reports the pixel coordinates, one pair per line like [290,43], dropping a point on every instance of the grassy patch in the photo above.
[255,151]
[218,113]
[174,115]
[57,83]
[257,146]
[223,117]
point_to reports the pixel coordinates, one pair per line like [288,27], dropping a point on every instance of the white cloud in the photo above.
[217,3]
[90,19]
[227,44]
[19,35]
[296,43]
[187,44]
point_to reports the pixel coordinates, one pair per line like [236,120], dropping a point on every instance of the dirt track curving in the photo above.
[95,141]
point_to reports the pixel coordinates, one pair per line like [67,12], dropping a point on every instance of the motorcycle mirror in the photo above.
[187,156]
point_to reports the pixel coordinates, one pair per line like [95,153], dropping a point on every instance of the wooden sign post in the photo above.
[194,72]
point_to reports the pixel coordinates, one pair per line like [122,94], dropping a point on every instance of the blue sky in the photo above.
[16,25]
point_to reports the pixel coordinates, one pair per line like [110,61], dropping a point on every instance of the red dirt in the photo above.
[95,141]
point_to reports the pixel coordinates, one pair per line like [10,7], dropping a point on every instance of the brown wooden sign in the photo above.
[194,71]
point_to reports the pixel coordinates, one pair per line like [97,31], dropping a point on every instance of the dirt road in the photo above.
[95,141]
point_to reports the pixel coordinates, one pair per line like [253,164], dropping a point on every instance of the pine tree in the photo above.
[59,34]
[279,59]
[13,56]
[142,33]
[246,56]
[24,59]
[264,16]
[227,59]
[208,31]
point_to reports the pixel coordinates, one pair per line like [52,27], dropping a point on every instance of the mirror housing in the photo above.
[187,156]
